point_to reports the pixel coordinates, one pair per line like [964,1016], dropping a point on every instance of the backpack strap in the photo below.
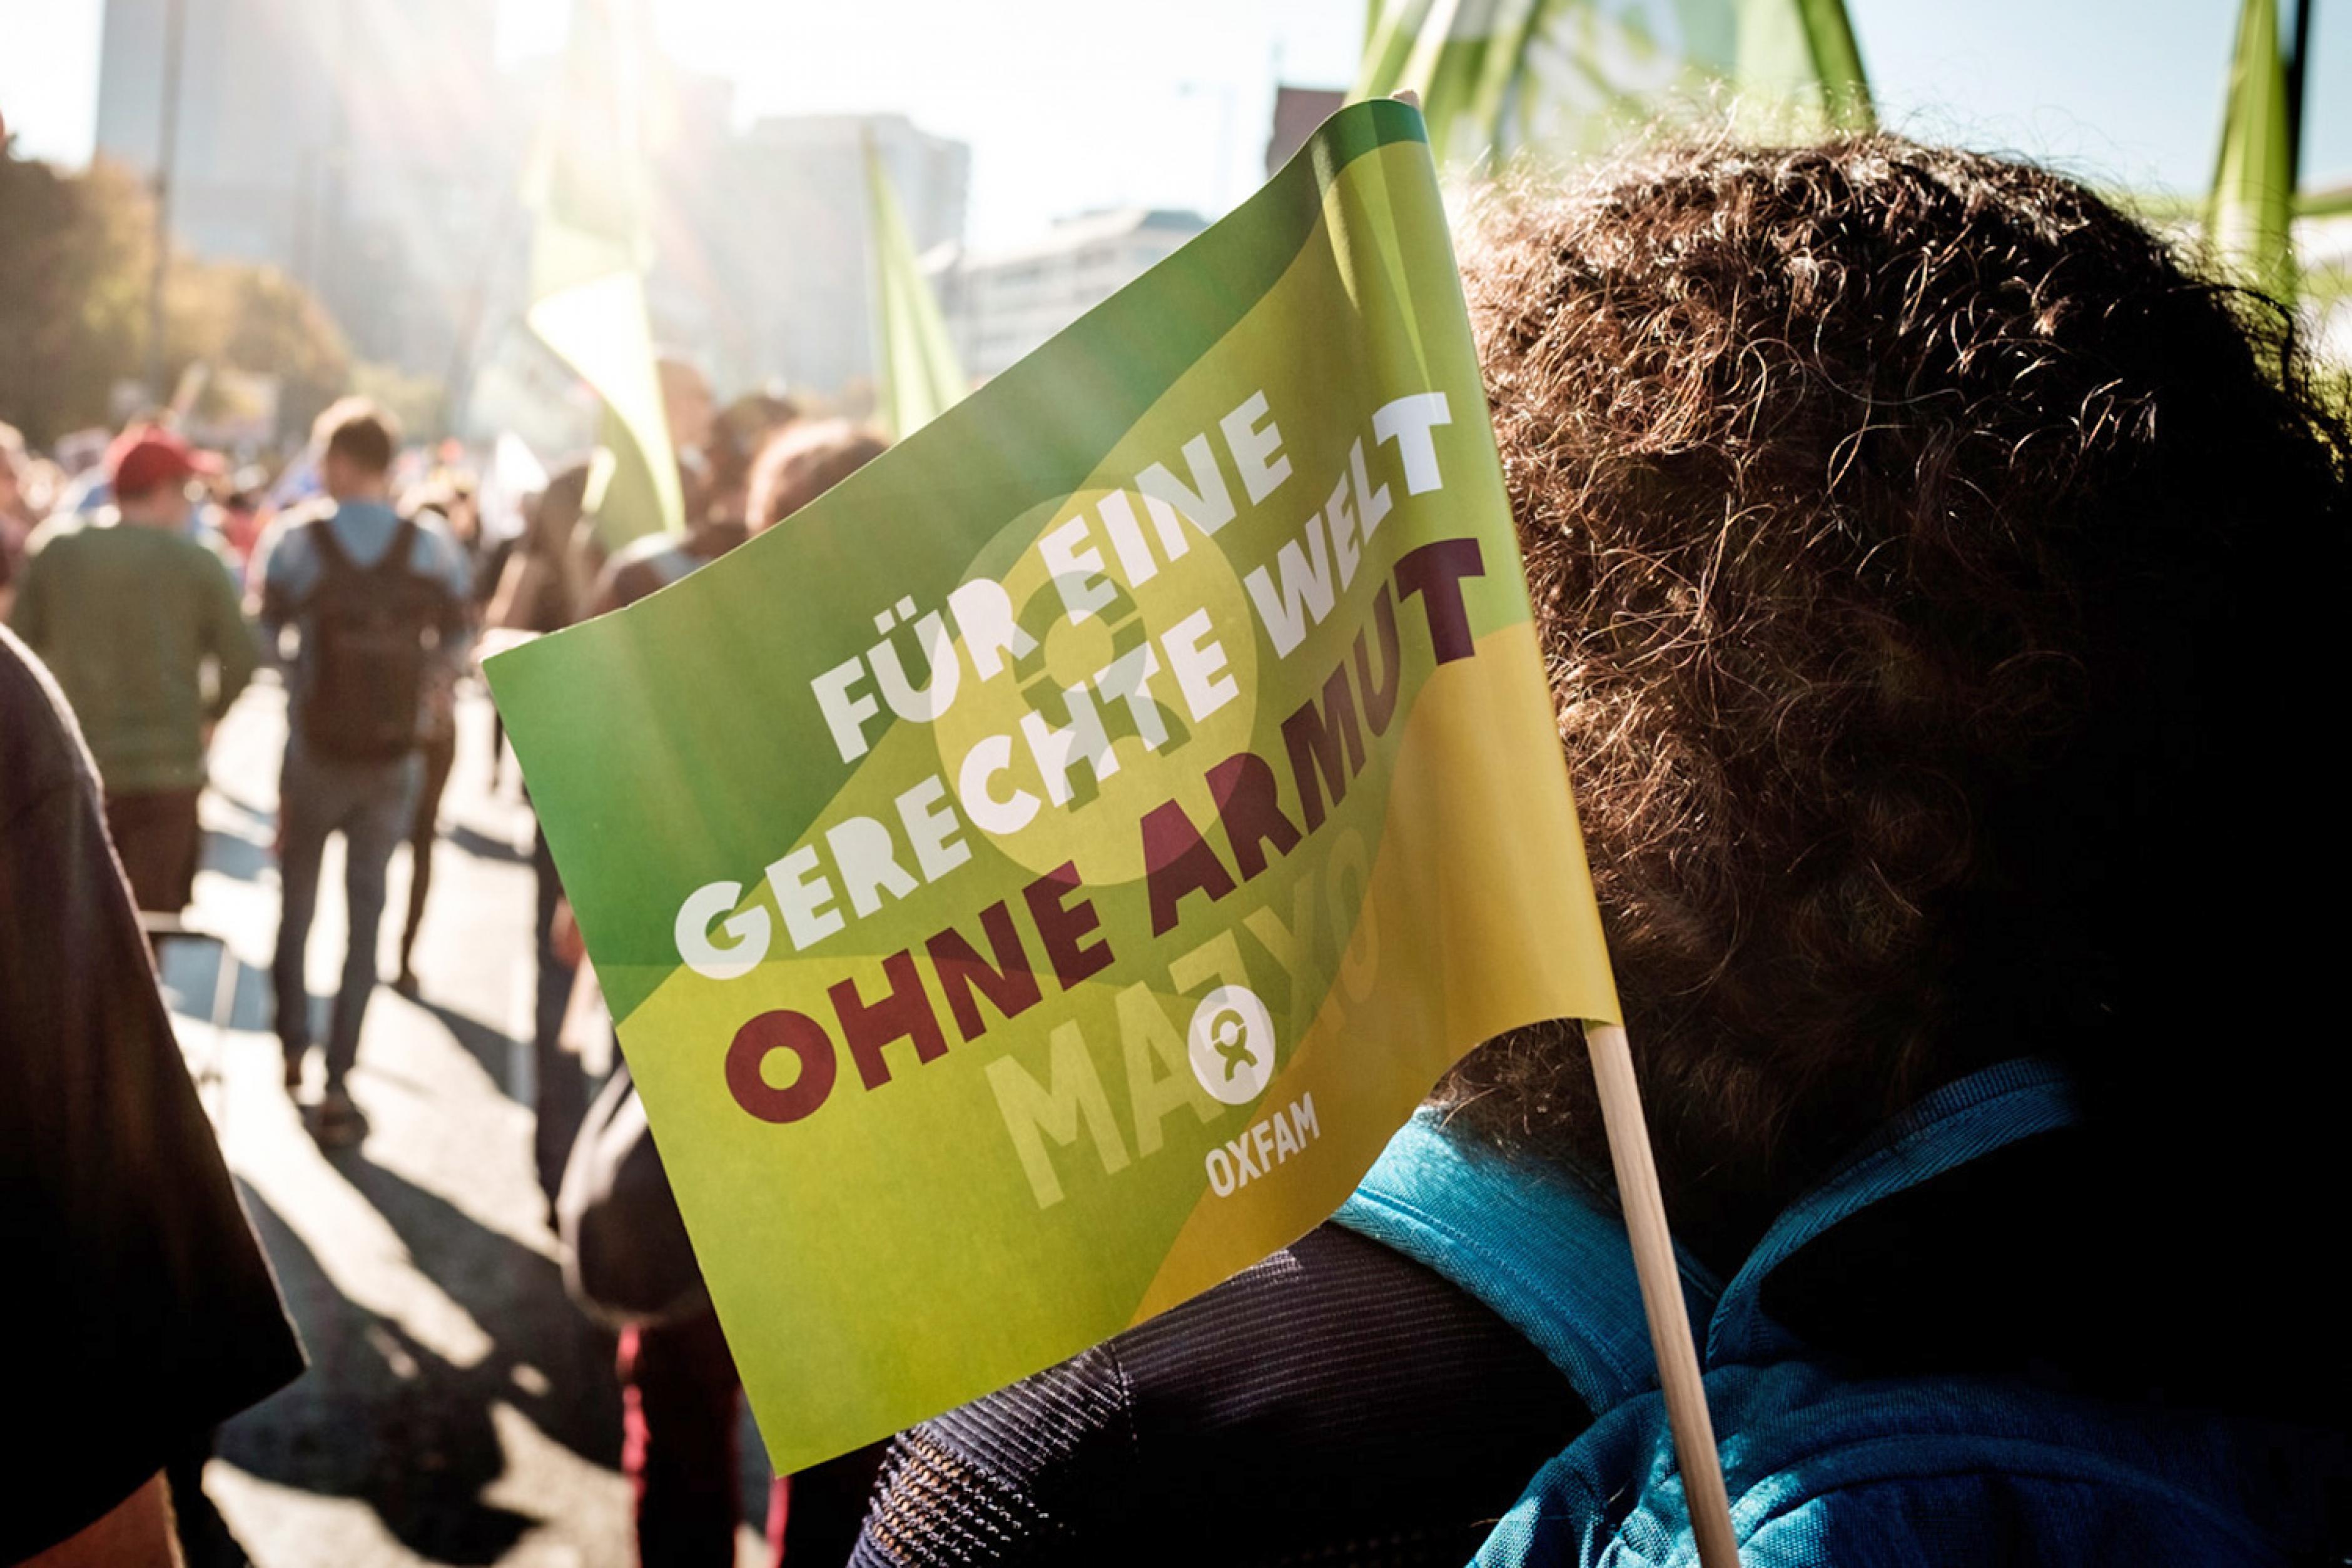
[397,555]
[333,559]
[1547,1253]
[1962,1121]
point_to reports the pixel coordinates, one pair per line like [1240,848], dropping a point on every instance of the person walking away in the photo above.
[141,623]
[437,735]
[375,600]
[541,580]
[542,588]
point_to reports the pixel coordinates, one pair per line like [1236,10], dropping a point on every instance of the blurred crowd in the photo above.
[154,580]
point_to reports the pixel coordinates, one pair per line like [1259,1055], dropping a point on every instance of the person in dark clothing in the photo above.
[543,586]
[377,602]
[652,563]
[1907,531]
[140,1306]
[436,744]
[436,748]
[1336,1403]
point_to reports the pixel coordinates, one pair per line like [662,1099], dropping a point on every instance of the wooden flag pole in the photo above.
[1661,1280]
[1662,1294]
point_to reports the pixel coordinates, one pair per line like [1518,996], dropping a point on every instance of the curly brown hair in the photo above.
[801,462]
[1920,551]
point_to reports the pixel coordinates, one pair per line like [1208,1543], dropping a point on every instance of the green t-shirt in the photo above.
[130,620]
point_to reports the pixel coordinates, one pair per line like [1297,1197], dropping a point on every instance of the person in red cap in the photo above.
[140,622]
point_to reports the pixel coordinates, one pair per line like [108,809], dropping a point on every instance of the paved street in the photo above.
[458,1408]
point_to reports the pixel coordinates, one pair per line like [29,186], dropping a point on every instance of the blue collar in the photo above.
[1549,1254]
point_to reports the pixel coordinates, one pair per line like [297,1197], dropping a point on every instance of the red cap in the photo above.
[147,455]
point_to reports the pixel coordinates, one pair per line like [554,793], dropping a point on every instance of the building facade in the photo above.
[353,144]
[773,245]
[1002,304]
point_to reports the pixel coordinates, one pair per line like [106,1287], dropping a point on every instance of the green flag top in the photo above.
[589,253]
[2250,219]
[917,378]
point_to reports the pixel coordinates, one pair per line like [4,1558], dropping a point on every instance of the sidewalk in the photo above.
[458,1409]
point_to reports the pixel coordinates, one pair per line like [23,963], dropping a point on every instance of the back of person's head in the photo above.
[1920,553]
[148,468]
[803,460]
[357,435]
[740,432]
[745,424]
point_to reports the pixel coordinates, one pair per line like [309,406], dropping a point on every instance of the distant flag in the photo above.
[916,376]
[1801,54]
[1391,28]
[589,254]
[1480,69]
[2249,220]
[1575,75]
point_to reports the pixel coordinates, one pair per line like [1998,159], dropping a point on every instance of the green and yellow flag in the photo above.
[588,259]
[1035,881]
[1800,56]
[916,376]
[2251,217]
[1578,75]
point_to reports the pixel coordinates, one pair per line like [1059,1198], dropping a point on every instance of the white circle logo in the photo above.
[1231,1044]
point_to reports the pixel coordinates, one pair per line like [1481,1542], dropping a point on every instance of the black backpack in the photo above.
[373,630]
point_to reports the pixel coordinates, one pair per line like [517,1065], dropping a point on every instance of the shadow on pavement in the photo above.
[493,1049]
[349,1135]
[560,1090]
[385,1419]
[517,1294]
[482,846]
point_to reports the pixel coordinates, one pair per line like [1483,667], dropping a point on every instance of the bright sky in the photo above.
[1072,104]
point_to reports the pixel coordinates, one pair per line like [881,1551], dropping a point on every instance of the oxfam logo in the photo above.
[1231,1044]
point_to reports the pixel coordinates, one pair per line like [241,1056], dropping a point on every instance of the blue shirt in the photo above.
[1825,1466]
[290,565]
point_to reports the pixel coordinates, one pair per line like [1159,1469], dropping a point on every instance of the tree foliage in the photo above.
[72,292]
[74,272]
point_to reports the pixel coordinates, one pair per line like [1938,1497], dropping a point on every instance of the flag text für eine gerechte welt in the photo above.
[1265,808]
